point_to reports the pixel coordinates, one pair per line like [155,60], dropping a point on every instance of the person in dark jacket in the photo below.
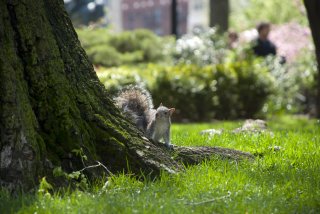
[263,46]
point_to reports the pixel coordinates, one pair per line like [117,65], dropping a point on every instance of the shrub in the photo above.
[295,85]
[143,41]
[107,49]
[223,91]
[114,79]
[104,55]
[201,47]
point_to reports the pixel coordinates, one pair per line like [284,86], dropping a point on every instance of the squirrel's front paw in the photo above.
[169,145]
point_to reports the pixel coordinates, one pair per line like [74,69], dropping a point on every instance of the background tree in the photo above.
[313,8]
[174,18]
[219,14]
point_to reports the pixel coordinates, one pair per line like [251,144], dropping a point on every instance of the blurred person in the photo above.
[233,39]
[262,45]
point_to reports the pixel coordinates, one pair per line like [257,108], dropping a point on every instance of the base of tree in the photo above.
[188,155]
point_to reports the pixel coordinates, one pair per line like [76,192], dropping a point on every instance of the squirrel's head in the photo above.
[164,112]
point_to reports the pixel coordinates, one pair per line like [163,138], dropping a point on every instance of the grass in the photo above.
[284,181]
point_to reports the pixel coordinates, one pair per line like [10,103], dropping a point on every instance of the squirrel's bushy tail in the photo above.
[136,103]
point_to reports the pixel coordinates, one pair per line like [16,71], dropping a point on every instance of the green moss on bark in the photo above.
[52,101]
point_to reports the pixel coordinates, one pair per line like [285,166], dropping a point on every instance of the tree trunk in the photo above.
[52,103]
[219,14]
[313,8]
[174,18]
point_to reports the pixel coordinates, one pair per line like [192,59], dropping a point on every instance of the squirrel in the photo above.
[136,103]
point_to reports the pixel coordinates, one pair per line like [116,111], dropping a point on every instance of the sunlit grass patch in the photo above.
[281,180]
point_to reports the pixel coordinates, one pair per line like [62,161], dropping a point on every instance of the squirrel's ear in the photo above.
[171,110]
[160,104]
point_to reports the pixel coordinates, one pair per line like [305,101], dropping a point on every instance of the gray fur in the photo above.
[159,127]
[137,104]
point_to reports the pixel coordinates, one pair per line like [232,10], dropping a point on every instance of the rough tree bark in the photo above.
[219,14]
[174,18]
[313,8]
[51,102]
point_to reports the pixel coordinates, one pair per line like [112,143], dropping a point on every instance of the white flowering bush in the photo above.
[202,47]
[295,84]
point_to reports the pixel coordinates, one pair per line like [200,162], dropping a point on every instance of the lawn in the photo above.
[282,180]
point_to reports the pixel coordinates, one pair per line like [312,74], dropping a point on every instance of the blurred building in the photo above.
[154,15]
[198,16]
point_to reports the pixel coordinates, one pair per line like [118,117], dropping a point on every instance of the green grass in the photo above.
[285,181]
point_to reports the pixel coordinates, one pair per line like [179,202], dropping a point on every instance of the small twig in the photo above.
[209,201]
[97,165]
[88,167]
[110,173]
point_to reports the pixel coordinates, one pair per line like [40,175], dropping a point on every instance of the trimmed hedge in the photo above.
[130,47]
[225,91]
